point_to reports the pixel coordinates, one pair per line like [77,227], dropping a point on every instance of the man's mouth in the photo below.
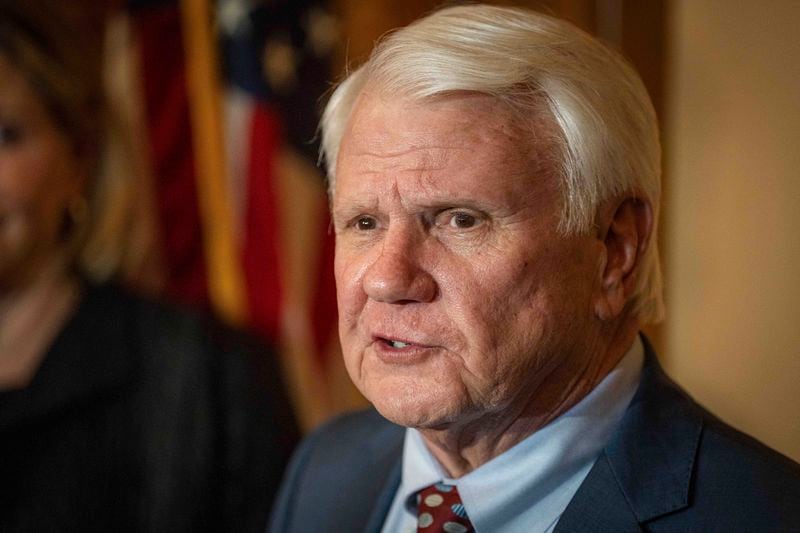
[397,344]
[393,350]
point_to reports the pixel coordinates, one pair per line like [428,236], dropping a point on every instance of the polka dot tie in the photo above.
[439,509]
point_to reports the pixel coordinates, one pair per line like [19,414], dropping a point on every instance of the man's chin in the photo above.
[413,415]
[413,400]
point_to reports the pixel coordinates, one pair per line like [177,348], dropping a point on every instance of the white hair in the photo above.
[609,132]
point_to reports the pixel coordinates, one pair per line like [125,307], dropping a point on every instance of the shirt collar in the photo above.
[536,478]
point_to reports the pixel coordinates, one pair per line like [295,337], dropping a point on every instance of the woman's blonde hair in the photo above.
[63,63]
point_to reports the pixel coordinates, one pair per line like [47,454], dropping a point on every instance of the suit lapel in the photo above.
[369,491]
[646,469]
[599,505]
[380,507]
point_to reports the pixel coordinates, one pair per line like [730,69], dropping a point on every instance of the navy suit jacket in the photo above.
[670,466]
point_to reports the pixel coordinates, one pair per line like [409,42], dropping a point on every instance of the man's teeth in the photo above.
[398,344]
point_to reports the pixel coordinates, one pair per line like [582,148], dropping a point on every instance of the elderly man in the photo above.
[494,177]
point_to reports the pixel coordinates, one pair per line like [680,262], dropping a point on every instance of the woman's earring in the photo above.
[76,218]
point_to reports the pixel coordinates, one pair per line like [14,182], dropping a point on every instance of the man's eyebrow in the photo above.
[352,209]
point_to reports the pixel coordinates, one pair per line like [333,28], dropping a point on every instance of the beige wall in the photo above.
[733,213]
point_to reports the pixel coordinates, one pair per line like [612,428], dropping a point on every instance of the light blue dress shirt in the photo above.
[528,487]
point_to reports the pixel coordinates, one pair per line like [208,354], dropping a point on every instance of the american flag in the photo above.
[273,60]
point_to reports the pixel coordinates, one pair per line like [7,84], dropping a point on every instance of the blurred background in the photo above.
[216,107]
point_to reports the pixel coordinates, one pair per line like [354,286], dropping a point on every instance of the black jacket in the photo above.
[143,418]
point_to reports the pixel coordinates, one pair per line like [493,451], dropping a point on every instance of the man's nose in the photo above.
[397,275]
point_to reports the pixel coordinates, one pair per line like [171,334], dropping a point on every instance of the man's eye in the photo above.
[461,220]
[365,223]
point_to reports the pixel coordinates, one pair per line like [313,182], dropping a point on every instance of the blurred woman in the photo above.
[116,413]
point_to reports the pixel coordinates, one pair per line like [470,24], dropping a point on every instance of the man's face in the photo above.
[457,296]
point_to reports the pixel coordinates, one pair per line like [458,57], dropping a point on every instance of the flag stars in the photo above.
[233,16]
[322,29]
[280,65]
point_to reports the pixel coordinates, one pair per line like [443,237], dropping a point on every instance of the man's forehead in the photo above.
[385,122]
[426,135]
[428,130]
[375,108]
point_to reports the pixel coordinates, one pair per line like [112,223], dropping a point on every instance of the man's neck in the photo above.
[462,449]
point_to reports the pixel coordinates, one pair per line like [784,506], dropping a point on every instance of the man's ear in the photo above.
[625,231]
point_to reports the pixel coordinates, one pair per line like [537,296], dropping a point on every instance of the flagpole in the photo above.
[225,277]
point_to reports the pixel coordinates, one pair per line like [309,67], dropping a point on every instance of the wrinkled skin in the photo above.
[463,311]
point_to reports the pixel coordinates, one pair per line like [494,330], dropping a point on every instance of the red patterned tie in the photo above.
[439,510]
